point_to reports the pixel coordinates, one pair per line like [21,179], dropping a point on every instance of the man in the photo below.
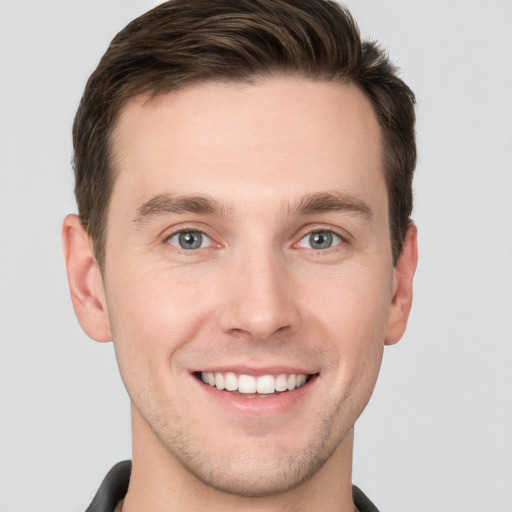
[243,179]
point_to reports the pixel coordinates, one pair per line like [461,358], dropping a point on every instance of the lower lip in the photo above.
[263,405]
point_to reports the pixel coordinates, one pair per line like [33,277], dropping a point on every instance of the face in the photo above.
[249,284]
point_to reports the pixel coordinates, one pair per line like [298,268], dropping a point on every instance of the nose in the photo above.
[260,302]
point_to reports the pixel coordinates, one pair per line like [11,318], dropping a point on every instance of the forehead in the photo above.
[274,140]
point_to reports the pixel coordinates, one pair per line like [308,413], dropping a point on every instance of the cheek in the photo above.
[351,310]
[152,316]
[354,300]
[153,302]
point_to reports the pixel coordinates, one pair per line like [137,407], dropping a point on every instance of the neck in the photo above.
[160,483]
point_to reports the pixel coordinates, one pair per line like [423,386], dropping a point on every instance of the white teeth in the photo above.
[219,381]
[248,384]
[266,384]
[231,381]
[282,383]
[300,381]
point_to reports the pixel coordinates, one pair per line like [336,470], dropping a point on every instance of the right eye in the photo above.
[189,240]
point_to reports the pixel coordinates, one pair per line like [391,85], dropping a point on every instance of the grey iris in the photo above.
[320,240]
[190,239]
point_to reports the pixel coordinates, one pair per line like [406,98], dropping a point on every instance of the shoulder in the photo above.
[113,488]
[362,502]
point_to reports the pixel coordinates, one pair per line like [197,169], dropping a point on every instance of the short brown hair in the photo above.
[182,42]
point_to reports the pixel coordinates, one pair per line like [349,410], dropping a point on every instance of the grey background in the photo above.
[436,436]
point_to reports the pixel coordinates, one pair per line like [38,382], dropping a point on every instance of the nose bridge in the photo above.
[259,295]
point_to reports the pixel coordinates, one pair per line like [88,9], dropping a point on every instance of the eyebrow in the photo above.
[164,204]
[325,202]
[312,203]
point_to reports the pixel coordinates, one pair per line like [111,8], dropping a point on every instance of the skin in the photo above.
[255,295]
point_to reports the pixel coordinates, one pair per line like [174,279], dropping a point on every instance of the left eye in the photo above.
[189,240]
[320,240]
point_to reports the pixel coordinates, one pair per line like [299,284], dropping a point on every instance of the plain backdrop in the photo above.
[437,434]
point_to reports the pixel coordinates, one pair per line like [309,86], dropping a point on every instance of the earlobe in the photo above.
[85,281]
[402,297]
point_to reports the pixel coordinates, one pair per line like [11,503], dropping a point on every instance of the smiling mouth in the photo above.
[249,385]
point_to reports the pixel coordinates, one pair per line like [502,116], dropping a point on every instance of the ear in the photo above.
[402,297]
[85,281]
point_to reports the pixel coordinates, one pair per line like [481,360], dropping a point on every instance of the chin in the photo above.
[263,468]
[253,479]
